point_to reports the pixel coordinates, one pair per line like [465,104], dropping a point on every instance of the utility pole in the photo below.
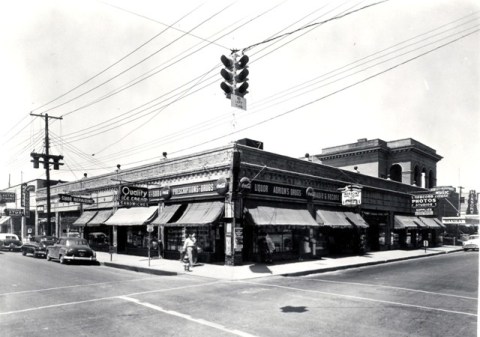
[46,163]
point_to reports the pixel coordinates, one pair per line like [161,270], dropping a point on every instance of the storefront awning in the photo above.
[439,223]
[333,219]
[356,219]
[100,218]
[4,220]
[267,215]
[166,214]
[84,218]
[402,222]
[135,216]
[200,213]
[430,222]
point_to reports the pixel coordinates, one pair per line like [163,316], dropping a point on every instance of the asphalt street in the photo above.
[434,296]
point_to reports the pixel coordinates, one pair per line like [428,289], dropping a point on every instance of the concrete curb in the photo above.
[365,264]
[139,269]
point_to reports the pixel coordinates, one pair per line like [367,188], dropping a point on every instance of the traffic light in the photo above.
[36,160]
[228,75]
[241,75]
[235,75]
[56,162]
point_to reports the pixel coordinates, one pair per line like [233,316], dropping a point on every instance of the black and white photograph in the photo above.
[239,168]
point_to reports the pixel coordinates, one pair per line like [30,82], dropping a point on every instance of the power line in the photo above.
[133,66]
[311,25]
[117,62]
[376,64]
[318,99]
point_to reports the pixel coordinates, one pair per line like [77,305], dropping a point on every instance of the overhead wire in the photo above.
[118,61]
[464,35]
[134,65]
[167,66]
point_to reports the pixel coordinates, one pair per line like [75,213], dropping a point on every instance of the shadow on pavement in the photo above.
[260,268]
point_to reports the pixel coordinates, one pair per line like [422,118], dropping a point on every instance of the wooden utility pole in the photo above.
[46,163]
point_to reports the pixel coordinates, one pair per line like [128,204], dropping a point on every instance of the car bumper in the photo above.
[80,258]
[470,246]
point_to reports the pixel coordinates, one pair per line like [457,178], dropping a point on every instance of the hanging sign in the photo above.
[424,200]
[7,197]
[14,211]
[71,198]
[352,195]
[133,196]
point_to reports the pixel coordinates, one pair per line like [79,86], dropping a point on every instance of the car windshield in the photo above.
[76,242]
[473,237]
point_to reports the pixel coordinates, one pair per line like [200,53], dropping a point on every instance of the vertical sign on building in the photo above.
[472,207]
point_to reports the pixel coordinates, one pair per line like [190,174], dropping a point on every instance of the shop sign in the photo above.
[163,193]
[472,202]
[71,198]
[352,195]
[7,197]
[424,200]
[221,186]
[149,228]
[454,221]
[14,211]
[321,195]
[238,239]
[423,211]
[265,188]
[133,196]
[442,192]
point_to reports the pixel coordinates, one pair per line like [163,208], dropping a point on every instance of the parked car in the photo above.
[10,242]
[37,245]
[71,249]
[473,242]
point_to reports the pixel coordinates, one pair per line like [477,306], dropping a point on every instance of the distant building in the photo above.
[406,160]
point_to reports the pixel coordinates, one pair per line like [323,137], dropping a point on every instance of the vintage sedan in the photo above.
[473,242]
[71,249]
[37,245]
[10,242]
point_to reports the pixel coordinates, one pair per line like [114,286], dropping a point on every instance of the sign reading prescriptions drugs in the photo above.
[424,200]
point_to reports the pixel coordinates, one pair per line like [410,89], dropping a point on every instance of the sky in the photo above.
[133,79]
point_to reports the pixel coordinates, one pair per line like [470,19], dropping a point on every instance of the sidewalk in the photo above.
[255,270]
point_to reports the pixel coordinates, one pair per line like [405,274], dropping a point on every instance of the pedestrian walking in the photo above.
[188,247]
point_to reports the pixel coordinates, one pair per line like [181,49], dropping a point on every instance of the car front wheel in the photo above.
[24,252]
[48,257]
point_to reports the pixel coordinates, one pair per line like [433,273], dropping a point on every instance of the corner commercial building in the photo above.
[233,196]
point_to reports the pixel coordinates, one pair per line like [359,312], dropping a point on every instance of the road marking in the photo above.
[188,317]
[362,298]
[74,286]
[102,299]
[391,287]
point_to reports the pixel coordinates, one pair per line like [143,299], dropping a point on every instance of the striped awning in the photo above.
[280,216]
[100,218]
[356,219]
[4,220]
[430,222]
[135,216]
[84,218]
[200,214]
[403,221]
[166,214]
[332,219]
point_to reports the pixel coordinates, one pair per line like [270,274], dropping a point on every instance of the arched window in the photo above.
[431,179]
[396,172]
[423,178]
[417,178]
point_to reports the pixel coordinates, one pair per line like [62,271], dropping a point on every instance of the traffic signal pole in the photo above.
[46,164]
